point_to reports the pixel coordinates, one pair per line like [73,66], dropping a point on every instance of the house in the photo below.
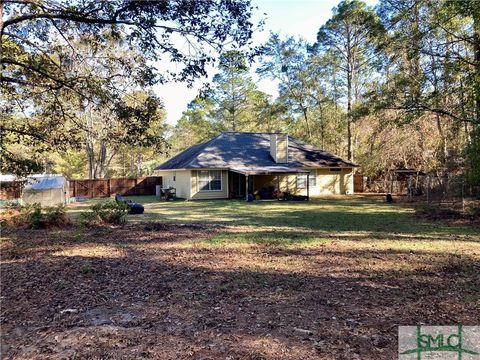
[234,164]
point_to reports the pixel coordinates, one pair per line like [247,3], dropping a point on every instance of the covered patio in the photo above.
[263,180]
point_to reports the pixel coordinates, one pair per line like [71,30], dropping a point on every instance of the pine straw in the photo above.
[166,292]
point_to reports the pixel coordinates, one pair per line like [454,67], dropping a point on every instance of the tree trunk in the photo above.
[349,115]
[443,140]
[91,160]
[476,37]
[102,160]
[349,97]
[307,122]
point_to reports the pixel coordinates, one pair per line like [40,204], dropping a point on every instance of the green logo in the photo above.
[440,340]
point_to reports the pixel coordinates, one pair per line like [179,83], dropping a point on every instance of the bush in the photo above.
[32,216]
[109,212]
[56,216]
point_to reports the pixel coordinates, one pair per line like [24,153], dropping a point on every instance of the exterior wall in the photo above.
[45,197]
[181,182]
[205,195]
[282,149]
[328,183]
[273,146]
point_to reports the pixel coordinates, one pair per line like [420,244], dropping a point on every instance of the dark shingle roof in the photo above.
[243,150]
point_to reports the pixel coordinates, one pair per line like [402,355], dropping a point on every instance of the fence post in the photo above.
[108,188]
[409,190]
[428,189]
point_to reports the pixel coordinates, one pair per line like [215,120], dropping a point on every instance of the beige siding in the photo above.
[205,195]
[180,180]
[279,148]
[328,183]
[282,149]
[273,146]
[333,183]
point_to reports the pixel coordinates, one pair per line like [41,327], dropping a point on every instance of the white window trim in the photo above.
[313,174]
[221,181]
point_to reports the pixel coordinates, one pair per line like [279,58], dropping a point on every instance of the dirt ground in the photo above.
[165,291]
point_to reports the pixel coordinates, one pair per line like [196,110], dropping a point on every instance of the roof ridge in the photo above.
[248,148]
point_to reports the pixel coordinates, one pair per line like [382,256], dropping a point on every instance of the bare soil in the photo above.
[161,291]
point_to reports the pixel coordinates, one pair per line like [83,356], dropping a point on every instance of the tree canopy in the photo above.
[60,59]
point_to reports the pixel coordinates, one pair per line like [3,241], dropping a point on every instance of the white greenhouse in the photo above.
[47,190]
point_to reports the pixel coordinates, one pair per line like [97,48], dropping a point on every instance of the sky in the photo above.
[299,18]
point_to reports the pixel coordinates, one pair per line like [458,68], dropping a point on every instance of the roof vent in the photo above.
[279,148]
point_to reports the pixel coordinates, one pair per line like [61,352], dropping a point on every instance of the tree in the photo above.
[350,37]
[286,61]
[106,133]
[39,39]
[233,91]
[430,71]
[196,125]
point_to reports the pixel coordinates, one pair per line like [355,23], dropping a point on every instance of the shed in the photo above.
[47,190]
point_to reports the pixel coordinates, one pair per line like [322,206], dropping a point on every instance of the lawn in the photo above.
[327,279]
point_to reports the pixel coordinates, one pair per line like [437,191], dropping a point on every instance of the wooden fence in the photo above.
[93,188]
[358,183]
[107,187]
[11,190]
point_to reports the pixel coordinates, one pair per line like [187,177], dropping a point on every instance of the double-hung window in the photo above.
[210,180]
[302,180]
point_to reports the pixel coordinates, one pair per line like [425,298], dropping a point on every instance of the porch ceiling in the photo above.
[268,170]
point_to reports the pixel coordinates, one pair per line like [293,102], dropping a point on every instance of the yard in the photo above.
[326,279]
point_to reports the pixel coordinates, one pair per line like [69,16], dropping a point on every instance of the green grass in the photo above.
[277,238]
[303,224]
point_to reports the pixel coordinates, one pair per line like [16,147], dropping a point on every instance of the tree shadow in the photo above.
[169,301]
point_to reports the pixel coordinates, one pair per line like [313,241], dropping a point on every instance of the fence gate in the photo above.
[89,188]
[357,183]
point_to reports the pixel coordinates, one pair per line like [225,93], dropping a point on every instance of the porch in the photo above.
[265,182]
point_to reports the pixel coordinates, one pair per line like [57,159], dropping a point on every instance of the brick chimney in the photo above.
[279,148]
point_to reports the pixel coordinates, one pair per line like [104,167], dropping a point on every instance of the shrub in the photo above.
[30,216]
[9,212]
[89,218]
[56,216]
[109,212]
[34,217]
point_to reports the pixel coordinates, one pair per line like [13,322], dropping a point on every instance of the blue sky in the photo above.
[300,18]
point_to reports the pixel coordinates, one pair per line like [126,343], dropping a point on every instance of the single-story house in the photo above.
[235,164]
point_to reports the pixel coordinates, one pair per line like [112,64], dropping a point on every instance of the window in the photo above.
[302,180]
[335,169]
[209,180]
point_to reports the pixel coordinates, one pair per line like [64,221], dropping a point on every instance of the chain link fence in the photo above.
[451,191]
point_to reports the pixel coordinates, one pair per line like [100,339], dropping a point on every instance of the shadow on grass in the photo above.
[354,214]
[152,297]
[316,215]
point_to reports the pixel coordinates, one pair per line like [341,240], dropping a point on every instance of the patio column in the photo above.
[308,186]
[246,187]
